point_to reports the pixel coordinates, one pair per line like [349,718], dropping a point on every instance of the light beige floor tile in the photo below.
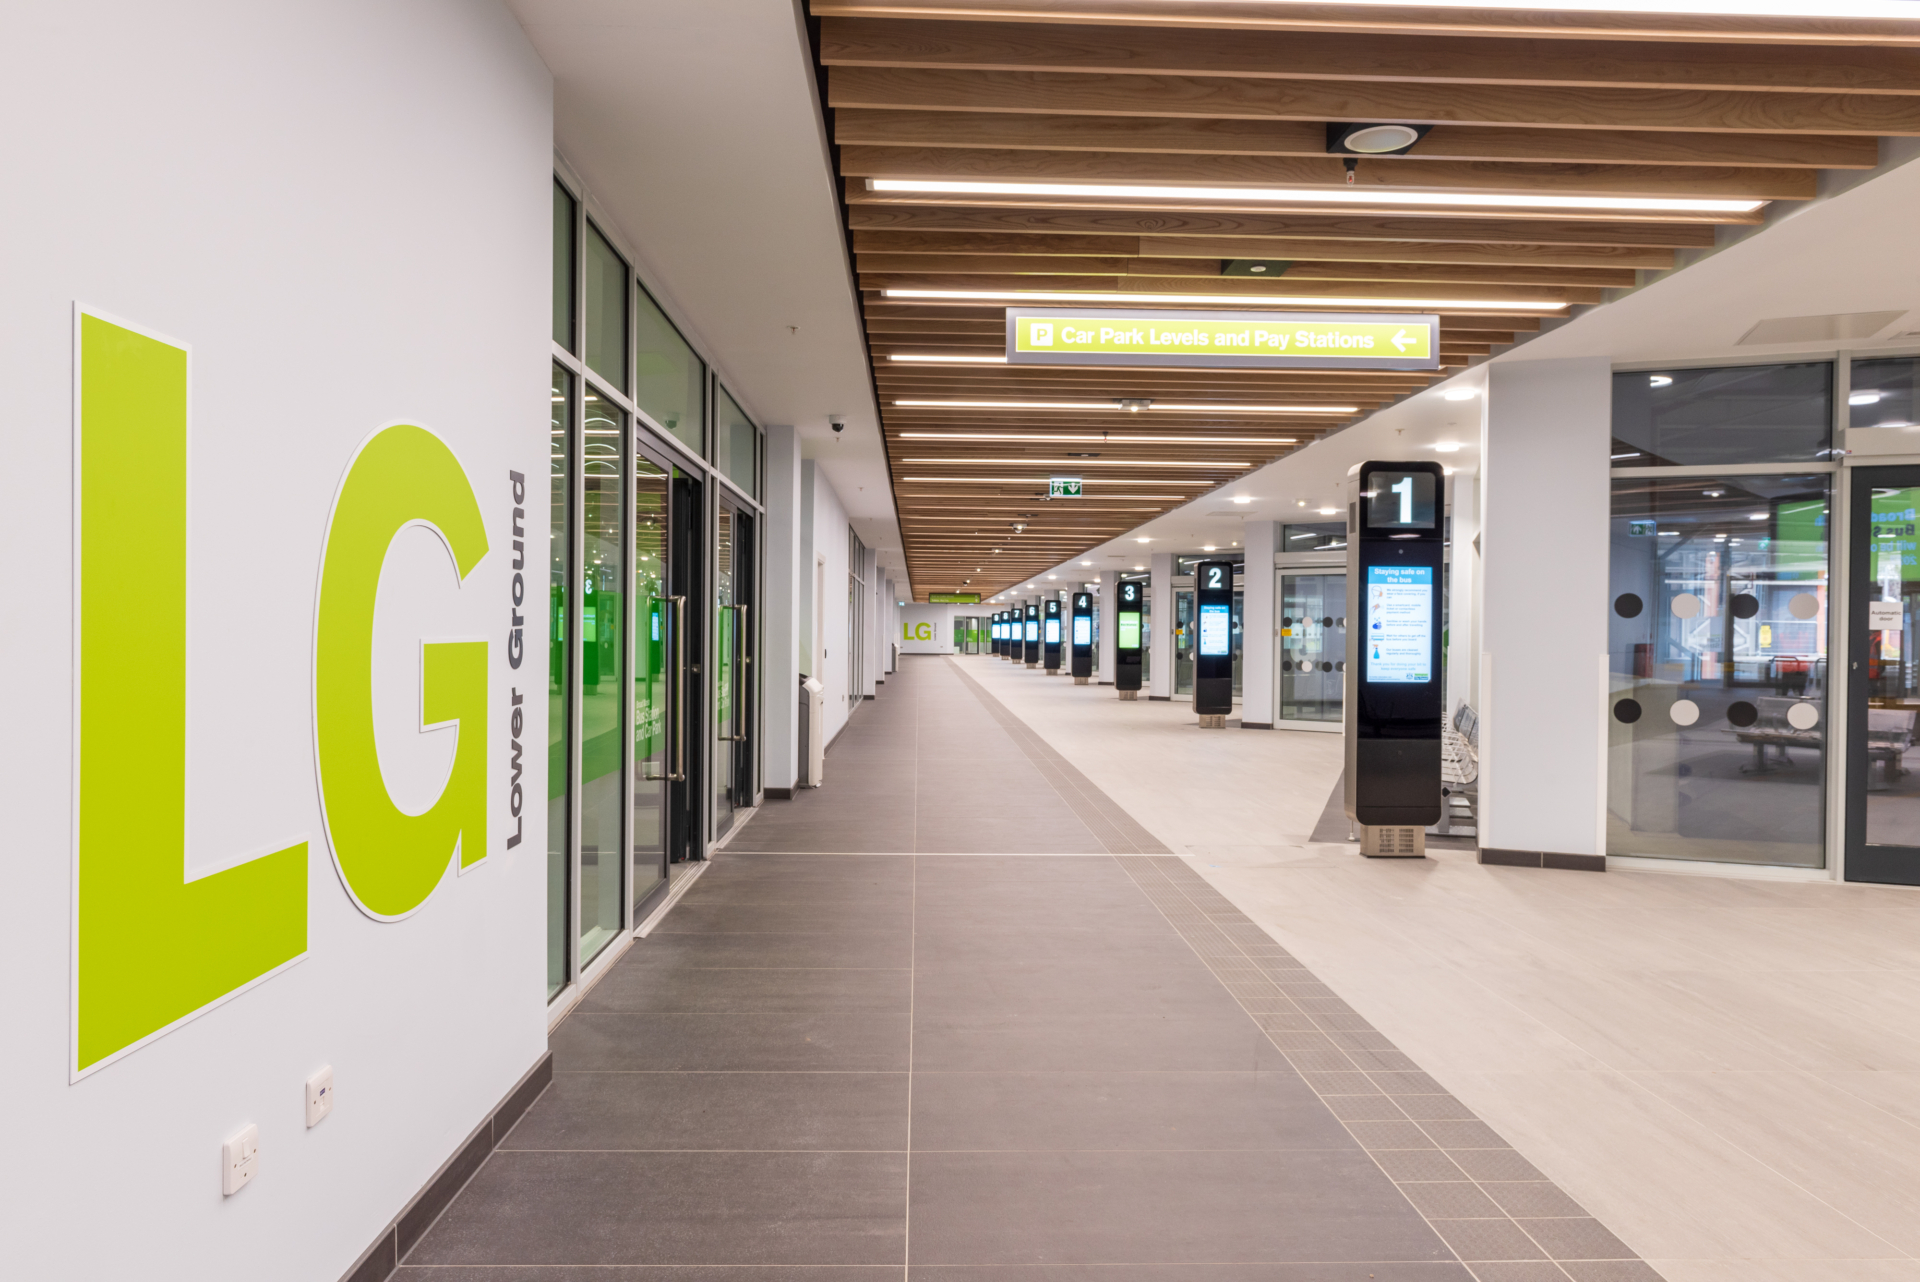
[1788,1270]
[1897,1095]
[1666,1184]
[1835,1146]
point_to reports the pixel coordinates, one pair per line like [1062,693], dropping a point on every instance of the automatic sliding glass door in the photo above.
[604,711]
[1883,763]
[659,743]
[733,665]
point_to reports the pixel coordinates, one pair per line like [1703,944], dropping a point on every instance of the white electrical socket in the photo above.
[240,1160]
[319,1096]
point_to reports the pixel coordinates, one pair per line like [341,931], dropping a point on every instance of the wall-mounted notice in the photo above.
[1223,340]
[1399,623]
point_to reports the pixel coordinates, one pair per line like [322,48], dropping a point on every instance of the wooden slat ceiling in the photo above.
[1593,108]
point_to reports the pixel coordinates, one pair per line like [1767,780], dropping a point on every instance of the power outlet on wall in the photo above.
[319,1096]
[239,1160]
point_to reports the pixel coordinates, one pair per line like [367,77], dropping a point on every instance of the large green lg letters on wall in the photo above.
[152,947]
[390,860]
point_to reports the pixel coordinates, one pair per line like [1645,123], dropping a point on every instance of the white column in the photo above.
[1104,603]
[1463,647]
[890,610]
[1544,545]
[805,607]
[782,630]
[1160,642]
[876,662]
[1259,628]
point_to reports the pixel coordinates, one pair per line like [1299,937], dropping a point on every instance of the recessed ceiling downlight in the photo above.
[1375,139]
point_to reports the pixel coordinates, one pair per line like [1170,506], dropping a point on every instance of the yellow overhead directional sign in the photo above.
[1223,340]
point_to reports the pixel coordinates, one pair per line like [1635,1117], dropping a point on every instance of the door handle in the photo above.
[739,674]
[677,703]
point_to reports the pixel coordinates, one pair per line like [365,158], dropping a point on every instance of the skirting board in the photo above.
[1256,725]
[1542,859]
[408,1227]
[779,794]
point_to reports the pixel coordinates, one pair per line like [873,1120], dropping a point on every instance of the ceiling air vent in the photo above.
[1842,327]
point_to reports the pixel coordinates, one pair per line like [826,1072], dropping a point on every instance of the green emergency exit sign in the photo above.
[1063,487]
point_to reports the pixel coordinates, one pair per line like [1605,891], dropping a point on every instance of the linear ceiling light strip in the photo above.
[1233,300]
[1317,195]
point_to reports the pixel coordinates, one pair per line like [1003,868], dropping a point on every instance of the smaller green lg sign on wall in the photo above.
[1063,487]
[1223,340]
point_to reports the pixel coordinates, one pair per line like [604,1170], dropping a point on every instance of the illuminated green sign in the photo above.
[953,598]
[1223,340]
[1063,487]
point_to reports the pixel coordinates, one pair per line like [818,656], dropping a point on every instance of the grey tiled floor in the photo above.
[955,1017]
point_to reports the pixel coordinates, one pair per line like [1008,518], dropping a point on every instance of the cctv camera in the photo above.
[837,425]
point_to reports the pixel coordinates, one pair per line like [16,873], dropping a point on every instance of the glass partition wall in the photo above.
[654,475]
[1718,613]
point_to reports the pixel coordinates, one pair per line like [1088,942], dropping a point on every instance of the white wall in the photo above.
[1544,532]
[939,619]
[830,569]
[343,208]
[783,606]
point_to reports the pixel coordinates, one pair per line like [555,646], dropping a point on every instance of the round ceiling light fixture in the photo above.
[1362,139]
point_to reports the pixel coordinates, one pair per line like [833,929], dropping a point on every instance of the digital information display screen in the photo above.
[1216,630]
[1083,629]
[1033,630]
[1400,500]
[1053,632]
[1399,623]
[1126,633]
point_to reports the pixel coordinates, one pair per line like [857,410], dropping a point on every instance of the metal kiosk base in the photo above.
[1080,681]
[1033,665]
[1129,695]
[1393,843]
[1213,721]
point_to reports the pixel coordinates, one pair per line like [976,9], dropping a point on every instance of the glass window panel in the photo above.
[560,542]
[606,297]
[1883,393]
[1717,612]
[1313,646]
[653,623]
[1317,536]
[563,267]
[736,443]
[668,378]
[603,702]
[1739,414]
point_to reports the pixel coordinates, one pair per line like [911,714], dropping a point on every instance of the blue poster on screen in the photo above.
[1399,623]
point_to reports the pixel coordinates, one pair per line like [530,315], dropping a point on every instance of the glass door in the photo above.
[1313,646]
[600,903]
[687,693]
[732,665]
[658,661]
[1883,765]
